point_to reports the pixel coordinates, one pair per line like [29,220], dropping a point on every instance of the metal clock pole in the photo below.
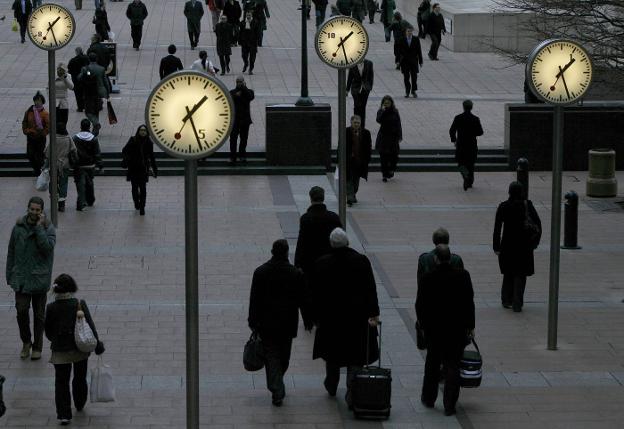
[52,158]
[342,147]
[192,295]
[304,99]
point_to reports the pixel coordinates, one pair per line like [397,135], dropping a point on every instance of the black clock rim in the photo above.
[531,59]
[336,18]
[52,48]
[163,82]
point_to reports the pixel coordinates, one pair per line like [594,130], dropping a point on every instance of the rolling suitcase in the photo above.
[371,389]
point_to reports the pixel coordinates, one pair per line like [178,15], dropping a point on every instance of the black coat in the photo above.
[313,240]
[75,65]
[345,297]
[357,82]
[464,131]
[242,98]
[366,146]
[248,37]
[136,13]
[17,9]
[137,158]
[278,292]
[445,306]
[224,33]
[410,55]
[101,24]
[435,24]
[60,323]
[390,131]
[516,253]
[170,64]
[233,12]
[102,53]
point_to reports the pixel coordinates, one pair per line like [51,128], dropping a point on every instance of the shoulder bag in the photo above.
[85,339]
[531,230]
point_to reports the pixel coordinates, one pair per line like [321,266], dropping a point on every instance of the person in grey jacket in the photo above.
[28,272]
[65,148]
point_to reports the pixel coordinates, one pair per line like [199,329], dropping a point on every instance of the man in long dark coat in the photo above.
[346,312]
[193,10]
[315,225]
[136,13]
[359,147]
[411,57]
[277,295]
[445,309]
[360,82]
[242,97]
[464,131]
[74,67]
[223,31]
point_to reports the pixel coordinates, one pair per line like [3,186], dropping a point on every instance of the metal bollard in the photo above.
[522,175]
[570,218]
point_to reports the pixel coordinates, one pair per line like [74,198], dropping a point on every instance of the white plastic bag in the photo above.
[102,389]
[83,335]
[43,180]
[111,36]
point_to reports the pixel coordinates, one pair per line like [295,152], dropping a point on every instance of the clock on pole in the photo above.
[51,26]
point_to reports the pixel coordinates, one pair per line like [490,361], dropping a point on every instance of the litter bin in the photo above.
[601,181]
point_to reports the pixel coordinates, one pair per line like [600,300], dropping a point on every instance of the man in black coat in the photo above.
[360,82]
[277,296]
[346,312]
[464,131]
[170,63]
[102,53]
[314,228]
[410,58]
[242,97]
[136,13]
[359,147]
[74,67]
[21,12]
[445,310]
[435,28]
[249,32]
[193,11]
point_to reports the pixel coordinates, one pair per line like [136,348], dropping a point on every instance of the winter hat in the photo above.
[338,238]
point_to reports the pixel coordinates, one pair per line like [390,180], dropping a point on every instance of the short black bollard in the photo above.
[570,218]
[522,175]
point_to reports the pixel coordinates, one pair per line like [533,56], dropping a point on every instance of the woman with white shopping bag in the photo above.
[71,339]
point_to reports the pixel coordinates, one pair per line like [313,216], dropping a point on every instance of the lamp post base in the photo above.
[304,101]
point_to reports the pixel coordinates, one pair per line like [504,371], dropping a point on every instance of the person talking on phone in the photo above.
[29,273]
[242,97]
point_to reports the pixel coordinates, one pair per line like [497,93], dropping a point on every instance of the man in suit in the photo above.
[359,146]
[242,97]
[21,11]
[464,131]
[170,63]
[411,57]
[360,82]
[193,11]
[96,87]
[445,309]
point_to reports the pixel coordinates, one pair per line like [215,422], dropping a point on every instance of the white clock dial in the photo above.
[342,42]
[51,26]
[559,71]
[189,114]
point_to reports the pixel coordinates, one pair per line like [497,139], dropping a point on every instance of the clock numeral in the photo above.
[331,35]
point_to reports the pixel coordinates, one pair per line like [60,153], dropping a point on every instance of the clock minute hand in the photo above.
[341,44]
[194,129]
[567,66]
[565,85]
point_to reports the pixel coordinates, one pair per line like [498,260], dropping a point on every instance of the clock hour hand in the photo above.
[567,66]
[341,44]
[194,109]
[565,85]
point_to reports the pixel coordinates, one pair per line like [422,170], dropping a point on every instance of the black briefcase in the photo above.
[371,389]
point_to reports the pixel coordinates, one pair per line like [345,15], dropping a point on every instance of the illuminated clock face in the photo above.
[559,71]
[342,42]
[51,26]
[189,114]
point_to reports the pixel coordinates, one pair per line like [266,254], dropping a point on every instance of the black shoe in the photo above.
[407,95]
[244,68]
[277,402]
[430,57]
[385,179]
[64,422]
[390,174]
[80,208]
[142,211]
[61,206]
[466,186]
[222,73]
[505,305]
[428,404]
[517,309]
[330,391]
[228,69]
[449,412]
[414,94]
[250,72]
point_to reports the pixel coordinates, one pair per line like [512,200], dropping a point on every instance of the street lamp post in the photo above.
[304,99]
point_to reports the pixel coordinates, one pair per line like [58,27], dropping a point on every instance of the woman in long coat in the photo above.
[138,157]
[101,22]
[514,250]
[223,31]
[388,138]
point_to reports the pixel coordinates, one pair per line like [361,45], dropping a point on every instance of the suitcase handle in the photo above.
[368,342]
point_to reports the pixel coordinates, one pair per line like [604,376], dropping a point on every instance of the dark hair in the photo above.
[172,49]
[443,253]
[85,125]
[61,128]
[40,96]
[440,236]
[435,5]
[387,97]
[467,105]
[64,283]
[204,56]
[397,14]
[317,194]
[137,136]
[280,247]
[516,190]
[92,57]
[35,200]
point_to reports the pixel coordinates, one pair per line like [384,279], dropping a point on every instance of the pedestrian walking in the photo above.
[224,32]
[389,136]
[344,6]
[422,17]
[78,4]
[358,9]
[96,87]
[277,296]
[193,11]
[170,63]
[28,272]
[65,149]
[138,158]
[261,14]
[74,67]
[360,82]
[372,6]
[515,249]
[100,19]
[136,13]
[242,97]
[320,8]
[315,225]
[436,28]
[62,84]
[21,12]
[89,157]
[398,28]
[60,323]
[346,312]
[2,405]
[248,38]
[203,64]
[411,57]
[102,53]
[232,11]
[464,131]
[387,13]
[359,147]
[35,126]
[445,310]
[215,7]
[426,261]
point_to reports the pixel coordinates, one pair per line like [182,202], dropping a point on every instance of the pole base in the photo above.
[571,247]
[304,101]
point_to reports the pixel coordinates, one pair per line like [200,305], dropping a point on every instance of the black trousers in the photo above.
[136,32]
[249,56]
[410,73]
[436,39]
[320,15]
[359,105]
[78,93]
[467,172]
[243,130]
[194,38]
[421,26]
[34,153]
[388,163]
[353,181]
[448,357]
[62,395]
[332,377]
[224,60]
[139,190]
[23,25]
[84,187]
[397,55]
[62,115]
[22,305]
[512,291]
[277,359]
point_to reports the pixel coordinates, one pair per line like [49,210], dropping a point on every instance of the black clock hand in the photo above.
[567,66]
[344,52]
[194,109]
[54,36]
[194,129]
[565,85]
[341,44]
[50,25]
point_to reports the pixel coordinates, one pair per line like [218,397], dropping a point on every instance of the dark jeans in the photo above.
[435,45]
[84,186]
[410,73]
[467,172]
[138,193]
[359,105]
[22,305]
[320,15]
[136,32]
[512,291]
[332,378]
[449,357]
[243,130]
[249,56]
[224,60]
[23,25]
[62,395]
[277,358]
[388,163]
[34,153]
[194,38]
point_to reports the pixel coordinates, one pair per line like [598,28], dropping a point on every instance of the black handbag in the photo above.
[531,229]
[253,354]
[470,367]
